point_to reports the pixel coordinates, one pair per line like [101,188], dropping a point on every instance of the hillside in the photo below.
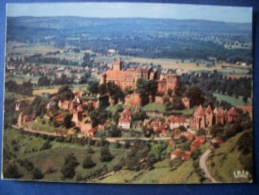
[225,161]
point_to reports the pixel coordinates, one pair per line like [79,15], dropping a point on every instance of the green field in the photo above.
[232,100]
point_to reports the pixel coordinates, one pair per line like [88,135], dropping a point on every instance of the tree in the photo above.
[127,90]
[177,103]
[90,150]
[67,120]
[105,154]
[196,95]
[102,89]
[65,93]
[86,60]
[142,84]
[140,115]
[152,87]
[44,81]
[98,116]
[245,98]
[88,162]
[11,86]
[26,88]
[68,169]
[93,87]
[196,154]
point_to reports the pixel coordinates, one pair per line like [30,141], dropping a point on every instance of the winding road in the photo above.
[203,160]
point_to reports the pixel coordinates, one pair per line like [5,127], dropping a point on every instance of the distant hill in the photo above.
[173,25]
[152,38]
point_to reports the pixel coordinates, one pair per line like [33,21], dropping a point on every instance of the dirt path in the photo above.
[203,165]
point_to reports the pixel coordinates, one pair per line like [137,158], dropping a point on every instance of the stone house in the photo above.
[125,119]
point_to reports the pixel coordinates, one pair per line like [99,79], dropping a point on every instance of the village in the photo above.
[194,128]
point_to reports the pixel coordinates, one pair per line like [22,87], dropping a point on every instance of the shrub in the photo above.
[37,174]
[90,150]
[105,154]
[46,146]
[88,162]
[127,144]
[28,165]
[12,171]
[68,169]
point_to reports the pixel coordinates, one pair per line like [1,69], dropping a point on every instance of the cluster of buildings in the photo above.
[203,118]
[129,77]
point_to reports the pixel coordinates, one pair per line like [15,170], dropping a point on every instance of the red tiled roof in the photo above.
[233,112]
[199,111]
[176,119]
[219,111]
[208,109]
[176,151]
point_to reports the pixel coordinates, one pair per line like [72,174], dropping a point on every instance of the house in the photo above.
[208,116]
[158,126]
[186,155]
[125,119]
[176,122]
[51,105]
[28,118]
[186,102]
[77,116]
[247,109]
[175,154]
[84,127]
[187,135]
[232,115]
[111,52]
[65,105]
[178,154]
[199,118]
[219,115]
[133,100]
[197,143]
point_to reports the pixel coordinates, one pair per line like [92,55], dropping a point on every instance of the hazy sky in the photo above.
[145,10]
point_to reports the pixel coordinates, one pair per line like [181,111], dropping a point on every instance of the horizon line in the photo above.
[152,18]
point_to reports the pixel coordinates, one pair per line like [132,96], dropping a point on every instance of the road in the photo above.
[203,165]
[109,139]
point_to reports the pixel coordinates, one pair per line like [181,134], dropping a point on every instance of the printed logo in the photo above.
[241,174]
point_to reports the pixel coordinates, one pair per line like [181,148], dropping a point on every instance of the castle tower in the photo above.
[116,65]
[209,116]
[199,118]
[172,81]
[103,79]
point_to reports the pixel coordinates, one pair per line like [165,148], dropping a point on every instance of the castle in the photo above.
[129,77]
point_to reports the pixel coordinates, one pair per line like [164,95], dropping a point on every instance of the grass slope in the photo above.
[29,148]
[225,161]
[161,174]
